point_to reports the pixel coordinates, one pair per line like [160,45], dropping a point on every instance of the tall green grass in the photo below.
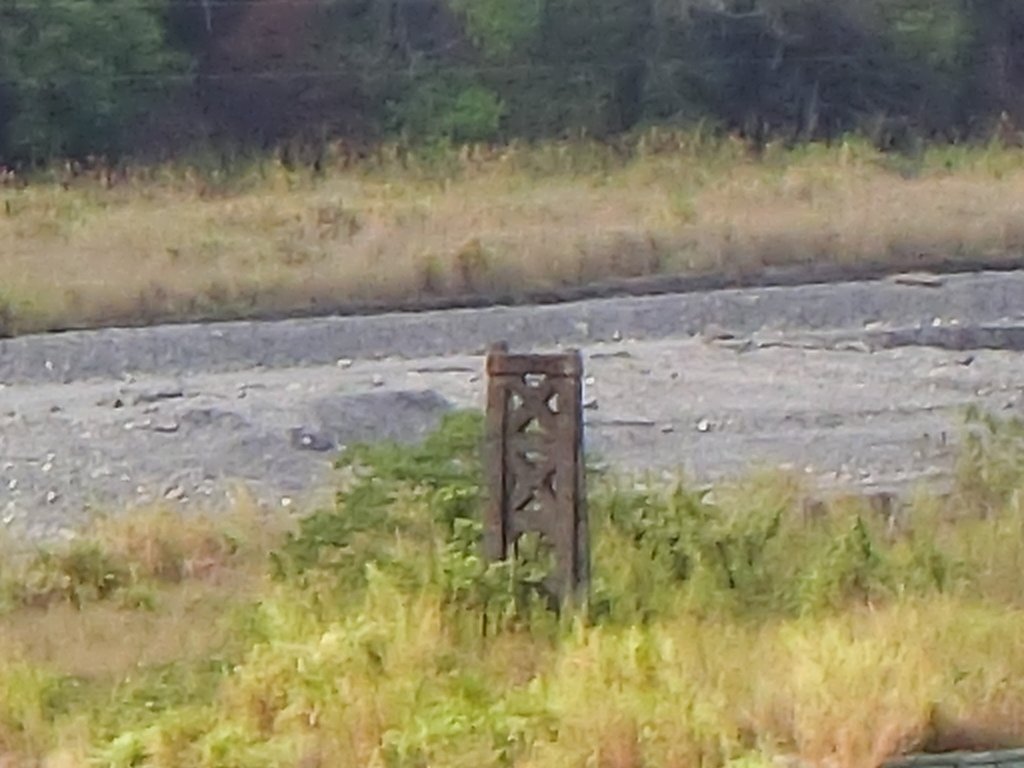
[723,629]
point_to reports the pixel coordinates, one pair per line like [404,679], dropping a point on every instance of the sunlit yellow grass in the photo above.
[202,660]
[394,679]
[171,243]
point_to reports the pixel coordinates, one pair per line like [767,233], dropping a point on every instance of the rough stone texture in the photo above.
[828,380]
[988,299]
[1011,758]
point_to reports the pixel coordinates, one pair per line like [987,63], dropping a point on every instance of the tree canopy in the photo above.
[114,76]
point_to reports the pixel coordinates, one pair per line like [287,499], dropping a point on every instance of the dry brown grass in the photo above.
[107,641]
[169,243]
[183,576]
[390,676]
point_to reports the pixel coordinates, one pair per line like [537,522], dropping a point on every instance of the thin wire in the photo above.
[163,4]
[417,70]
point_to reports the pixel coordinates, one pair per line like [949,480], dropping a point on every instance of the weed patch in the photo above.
[725,628]
[251,236]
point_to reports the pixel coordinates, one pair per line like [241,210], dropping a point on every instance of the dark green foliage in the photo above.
[74,75]
[81,573]
[443,472]
[415,513]
[449,109]
[990,466]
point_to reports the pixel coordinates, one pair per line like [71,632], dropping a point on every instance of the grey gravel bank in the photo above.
[858,385]
[983,310]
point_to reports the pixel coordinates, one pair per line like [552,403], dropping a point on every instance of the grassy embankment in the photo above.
[722,631]
[197,241]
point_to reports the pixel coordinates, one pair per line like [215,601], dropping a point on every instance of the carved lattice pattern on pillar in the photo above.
[535,462]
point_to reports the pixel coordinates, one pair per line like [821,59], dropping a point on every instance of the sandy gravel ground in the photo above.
[860,384]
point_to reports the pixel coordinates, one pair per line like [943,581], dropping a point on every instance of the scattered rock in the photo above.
[305,440]
[852,346]
[51,497]
[401,415]
[175,493]
[445,369]
[209,417]
[625,423]
[154,395]
[703,425]
[918,279]
[736,345]
[715,332]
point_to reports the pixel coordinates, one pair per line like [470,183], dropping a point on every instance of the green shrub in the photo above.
[81,573]
[990,463]
[414,513]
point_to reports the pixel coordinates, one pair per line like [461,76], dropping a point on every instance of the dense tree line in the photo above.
[79,77]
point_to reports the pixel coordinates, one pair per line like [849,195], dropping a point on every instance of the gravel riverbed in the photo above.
[856,384]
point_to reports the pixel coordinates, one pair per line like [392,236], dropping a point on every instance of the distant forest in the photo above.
[154,78]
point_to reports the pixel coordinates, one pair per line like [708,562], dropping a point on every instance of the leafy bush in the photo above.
[725,629]
[414,513]
[81,573]
[446,109]
[77,74]
[990,465]
[118,560]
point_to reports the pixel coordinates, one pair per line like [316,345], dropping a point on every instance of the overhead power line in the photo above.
[428,67]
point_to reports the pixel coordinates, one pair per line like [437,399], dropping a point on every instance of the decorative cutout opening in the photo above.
[534,380]
[534,557]
[534,458]
[532,427]
[534,505]
[553,403]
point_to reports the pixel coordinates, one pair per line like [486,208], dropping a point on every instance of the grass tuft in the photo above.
[199,240]
[726,629]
